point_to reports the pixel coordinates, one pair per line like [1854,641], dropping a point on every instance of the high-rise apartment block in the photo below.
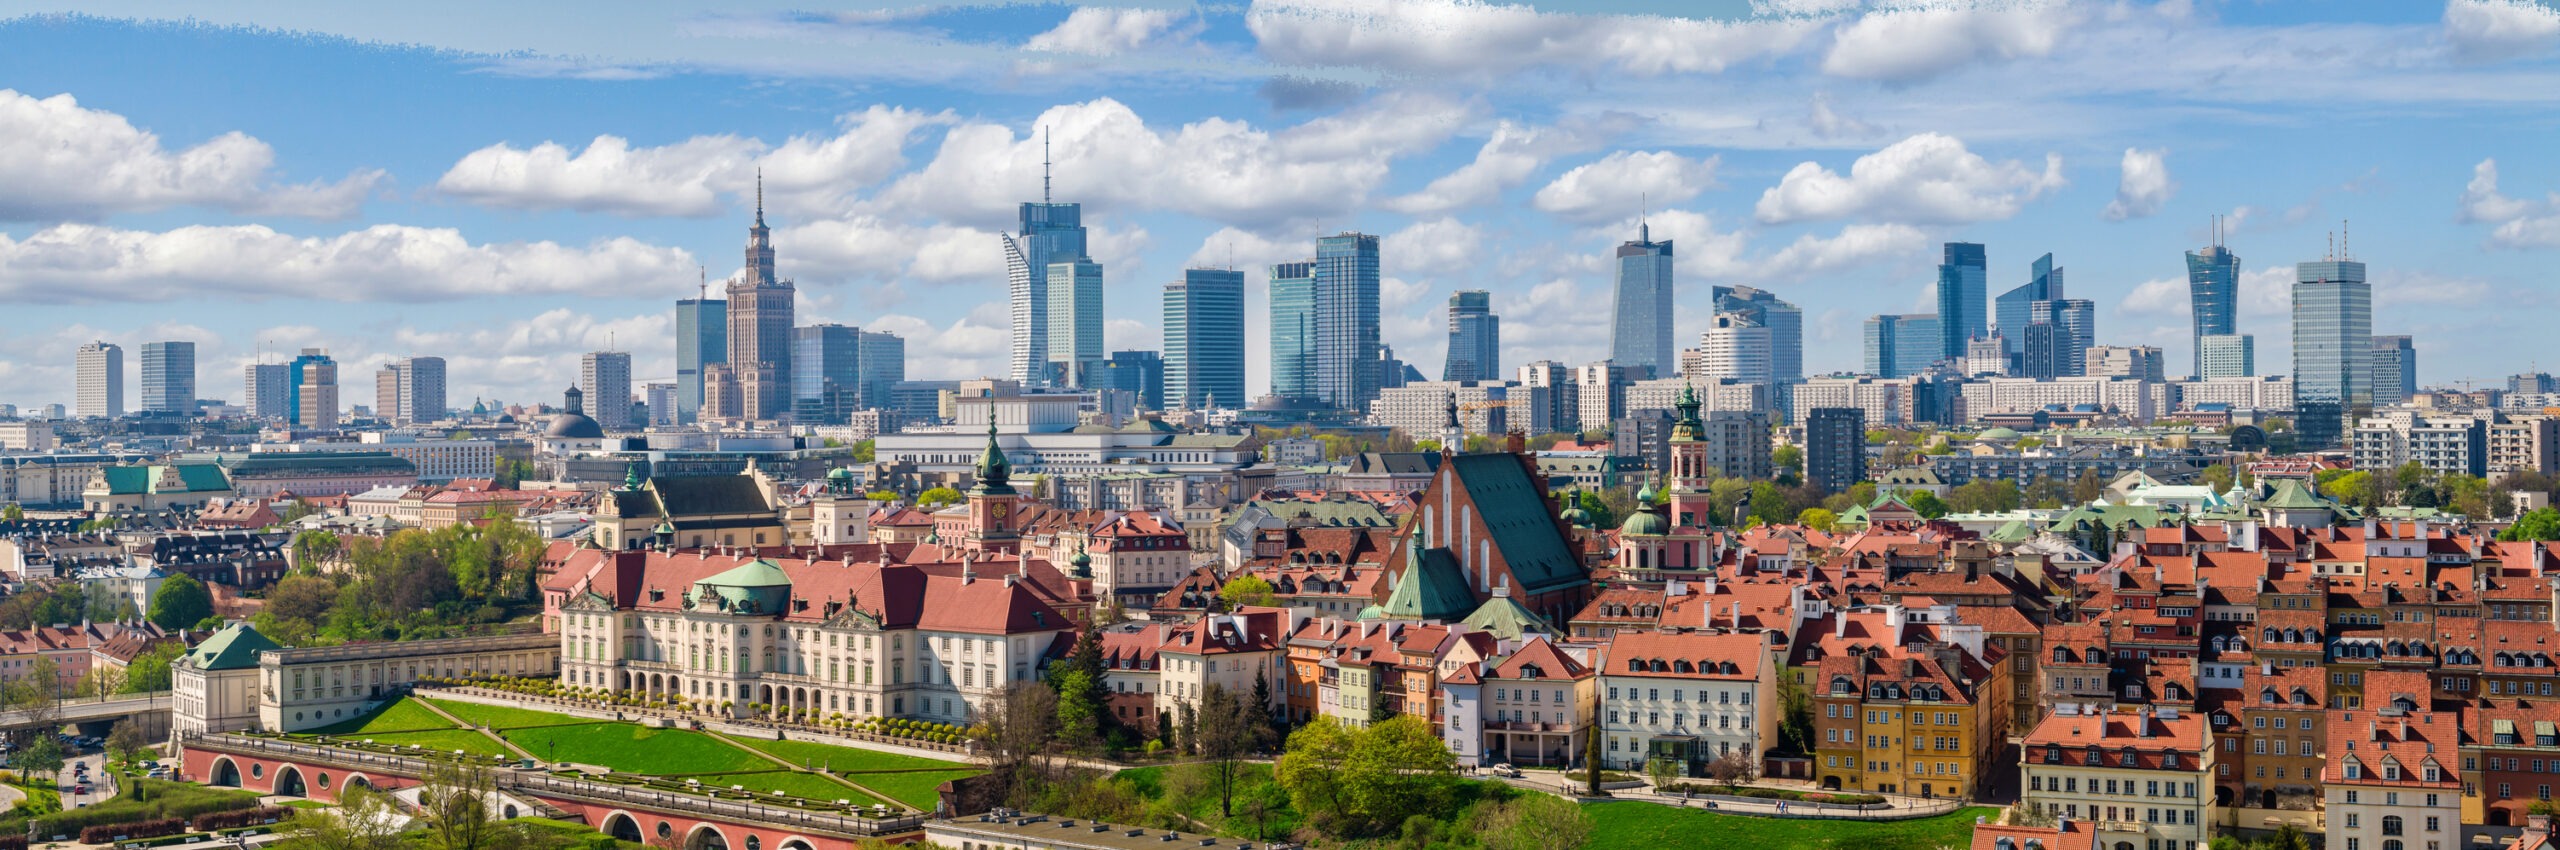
[410,391]
[1902,346]
[169,377]
[1737,348]
[2395,370]
[1962,282]
[1475,338]
[1640,307]
[100,380]
[2332,351]
[269,390]
[1600,391]
[661,399]
[1204,340]
[702,338]
[760,323]
[1550,385]
[605,376]
[2226,356]
[1835,447]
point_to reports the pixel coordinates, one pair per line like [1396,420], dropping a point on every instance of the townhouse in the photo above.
[1687,697]
[2142,777]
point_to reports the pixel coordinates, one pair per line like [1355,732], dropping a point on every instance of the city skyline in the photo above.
[1489,177]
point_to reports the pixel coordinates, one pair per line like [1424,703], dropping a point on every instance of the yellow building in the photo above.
[1918,722]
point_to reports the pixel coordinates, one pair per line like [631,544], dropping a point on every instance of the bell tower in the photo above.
[993,500]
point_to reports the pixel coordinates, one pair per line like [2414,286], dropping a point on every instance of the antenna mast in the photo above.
[1044,164]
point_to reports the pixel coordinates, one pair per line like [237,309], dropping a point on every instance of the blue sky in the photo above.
[507,185]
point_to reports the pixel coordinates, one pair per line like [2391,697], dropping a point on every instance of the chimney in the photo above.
[2536,826]
[1737,616]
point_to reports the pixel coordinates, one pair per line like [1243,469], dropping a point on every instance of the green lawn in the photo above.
[506,717]
[807,785]
[399,715]
[632,748]
[846,759]
[1646,826]
[914,789]
[445,741]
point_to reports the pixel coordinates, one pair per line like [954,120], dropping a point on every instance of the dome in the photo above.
[1644,523]
[840,473]
[506,419]
[574,426]
[1997,435]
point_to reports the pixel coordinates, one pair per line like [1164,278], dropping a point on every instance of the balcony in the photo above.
[1528,726]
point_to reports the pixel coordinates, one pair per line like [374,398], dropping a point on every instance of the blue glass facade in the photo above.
[1640,308]
[1963,281]
[1293,329]
[1204,340]
[2332,351]
[2213,295]
[702,338]
[1785,323]
[293,384]
[2016,308]
[1050,233]
[1475,338]
[826,373]
[1901,346]
[1346,308]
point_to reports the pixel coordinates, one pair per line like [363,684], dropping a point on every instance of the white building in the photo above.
[1421,410]
[309,687]
[1691,697]
[2445,444]
[606,378]
[436,460]
[2390,781]
[2227,356]
[1735,348]
[100,380]
[2140,362]
[2273,392]
[28,435]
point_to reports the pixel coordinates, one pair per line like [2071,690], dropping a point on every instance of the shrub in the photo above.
[113,832]
[233,820]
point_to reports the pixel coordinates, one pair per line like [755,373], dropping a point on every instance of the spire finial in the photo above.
[1044,163]
[1644,216]
[759,196]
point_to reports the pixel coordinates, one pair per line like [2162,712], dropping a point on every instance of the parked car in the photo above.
[1505,770]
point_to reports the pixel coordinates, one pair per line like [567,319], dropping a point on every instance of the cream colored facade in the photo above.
[315,686]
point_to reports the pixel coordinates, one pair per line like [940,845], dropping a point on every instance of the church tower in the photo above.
[992,501]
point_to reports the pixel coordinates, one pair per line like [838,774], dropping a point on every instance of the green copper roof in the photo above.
[1514,509]
[2292,496]
[1433,587]
[1506,619]
[2012,532]
[1644,522]
[235,647]
[757,573]
[993,469]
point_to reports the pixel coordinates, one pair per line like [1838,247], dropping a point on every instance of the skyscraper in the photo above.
[1139,372]
[1475,338]
[269,390]
[605,376]
[1075,320]
[1902,346]
[1204,340]
[1835,447]
[169,377]
[100,383]
[759,314]
[884,364]
[1051,233]
[2070,328]
[1962,315]
[702,338]
[316,397]
[1347,345]
[2213,293]
[2226,356]
[298,380]
[2332,351]
[1735,348]
[826,374]
[386,395]
[1640,307]
[2395,370]
[417,391]
[1785,323]
[2015,308]
[1293,329]
[661,398]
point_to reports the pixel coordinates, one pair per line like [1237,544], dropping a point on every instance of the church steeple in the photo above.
[993,469]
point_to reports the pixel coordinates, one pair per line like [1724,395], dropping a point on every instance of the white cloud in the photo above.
[1925,179]
[1915,43]
[2144,187]
[61,161]
[1432,249]
[1704,251]
[84,263]
[2490,30]
[1462,38]
[1856,245]
[1220,169]
[2157,296]
[1828,123]
[1507,158]
[807,174]
[1103,31]
[1606,189]
[2521,224]
[872,248]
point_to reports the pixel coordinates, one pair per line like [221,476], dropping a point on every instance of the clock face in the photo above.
[997,510]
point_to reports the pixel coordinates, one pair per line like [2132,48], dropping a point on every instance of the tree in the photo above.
[1228,734]
[1789,461]
[1927,504]
[305,598]
[1795,716]
[44,756]
[1248,590]
[129,747]
[365,819]
[2536,524]
[1984,495]
[1818,519]
[13,513]
[1312,769]
[938,497]
[1013,737]
[2088,487]
[1534,822]
[454,801]
[150,670]
[1268,722]
[1591,764]
[181,602]
[2217,476]
[1662,771]
[1079,716]
[1398,767]
[1736,768]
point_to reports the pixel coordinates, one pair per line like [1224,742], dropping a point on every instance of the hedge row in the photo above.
[233,820]
[1776,794]
[113,832]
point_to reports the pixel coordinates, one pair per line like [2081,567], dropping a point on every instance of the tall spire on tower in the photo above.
[759,196]
[1044,164]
